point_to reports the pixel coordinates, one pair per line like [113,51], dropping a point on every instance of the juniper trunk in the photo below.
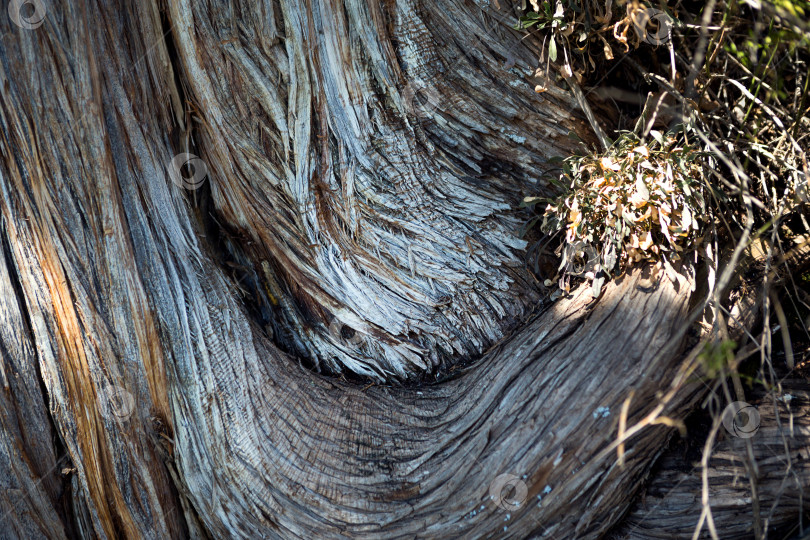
[363,161]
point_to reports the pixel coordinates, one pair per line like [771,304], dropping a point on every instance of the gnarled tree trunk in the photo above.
[352,212]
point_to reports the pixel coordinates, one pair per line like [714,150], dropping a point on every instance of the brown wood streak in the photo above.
[306,453]
[30,487]
[121,288]
[80,304]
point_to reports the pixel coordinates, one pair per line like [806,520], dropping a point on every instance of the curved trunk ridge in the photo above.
[374,154]
[175,412]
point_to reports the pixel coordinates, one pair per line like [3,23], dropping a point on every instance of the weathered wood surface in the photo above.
[373,155]
[30,487]
[156,330]
[671,505]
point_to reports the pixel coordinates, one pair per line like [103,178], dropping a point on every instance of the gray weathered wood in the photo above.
[158,329]
[30,486]
[671,505]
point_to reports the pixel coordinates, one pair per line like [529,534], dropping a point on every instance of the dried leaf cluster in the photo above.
[591,31]
[640,200]
[734,78]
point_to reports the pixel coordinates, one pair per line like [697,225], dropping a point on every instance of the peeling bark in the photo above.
[167,326]
[373,155]
[31,485]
